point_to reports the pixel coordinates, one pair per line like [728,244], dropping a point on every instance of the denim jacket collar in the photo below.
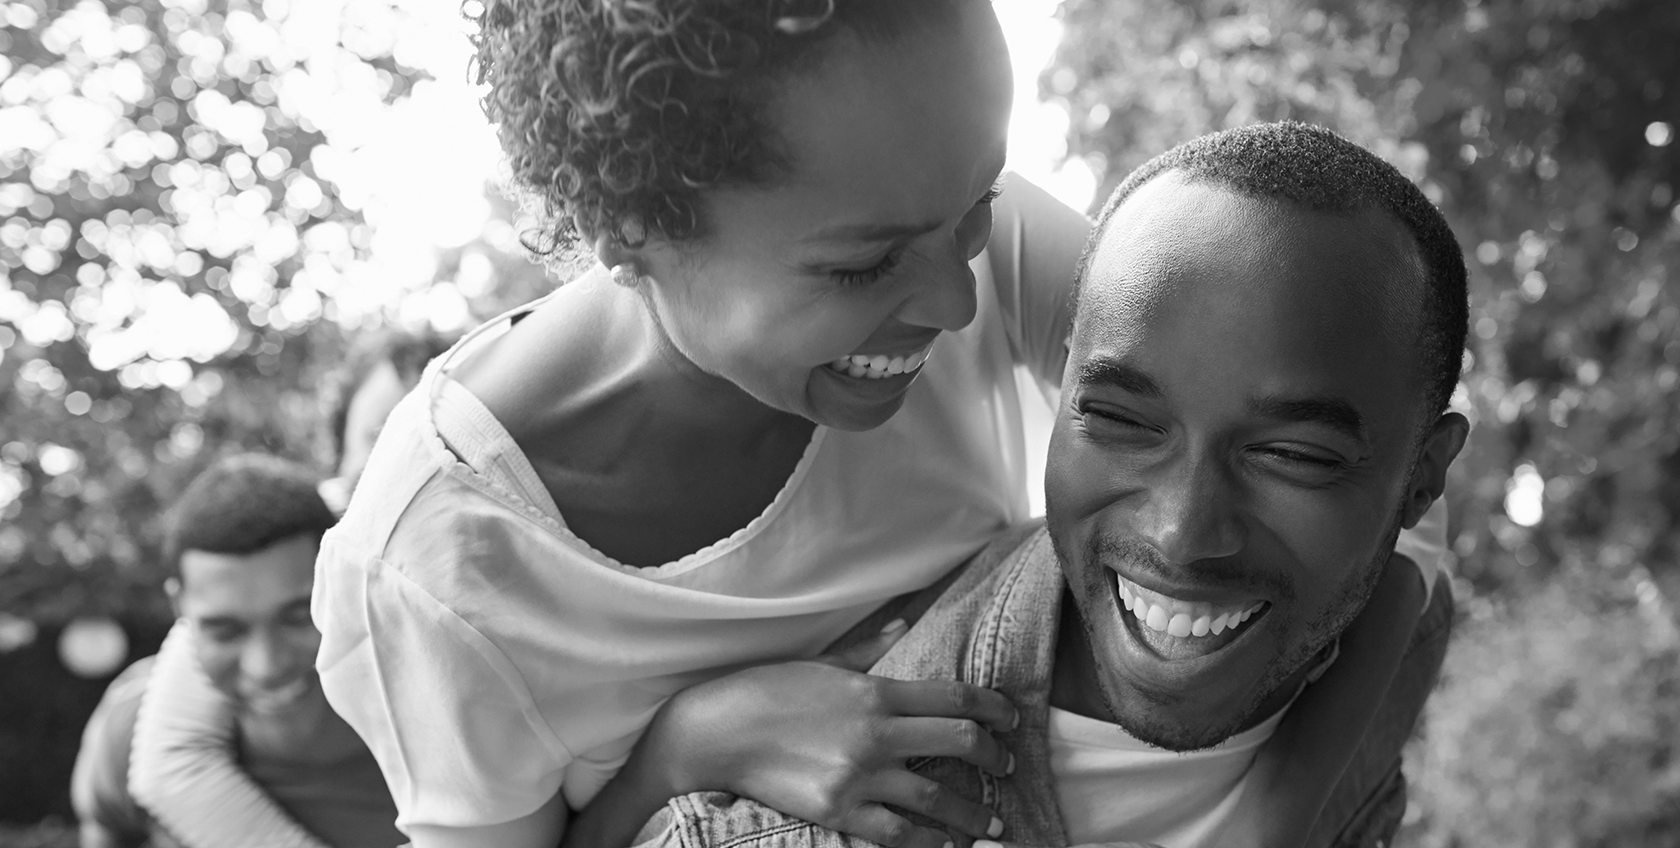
[996,627]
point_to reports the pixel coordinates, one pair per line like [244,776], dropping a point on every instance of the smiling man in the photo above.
[1268,332]
[243,539]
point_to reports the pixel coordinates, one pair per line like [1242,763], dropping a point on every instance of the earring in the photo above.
[625,275]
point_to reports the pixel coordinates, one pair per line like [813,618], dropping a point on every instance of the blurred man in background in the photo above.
[242,541]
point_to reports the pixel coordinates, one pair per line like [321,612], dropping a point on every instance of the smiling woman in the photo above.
[791,399]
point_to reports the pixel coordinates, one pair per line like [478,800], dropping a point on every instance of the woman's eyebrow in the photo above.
[871,232]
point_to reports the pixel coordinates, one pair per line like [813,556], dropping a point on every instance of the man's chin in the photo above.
[1182,717]
[1171,696]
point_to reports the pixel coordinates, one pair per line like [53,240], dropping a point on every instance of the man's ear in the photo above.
[172,588]
[1429,474]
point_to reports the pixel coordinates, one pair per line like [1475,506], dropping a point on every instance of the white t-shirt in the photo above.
[1113,787]
[489,657]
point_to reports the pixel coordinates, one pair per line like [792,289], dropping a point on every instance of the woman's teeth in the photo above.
[880,366]
[1174,617]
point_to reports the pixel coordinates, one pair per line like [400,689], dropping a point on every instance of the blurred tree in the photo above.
[1546,130]
[185,244]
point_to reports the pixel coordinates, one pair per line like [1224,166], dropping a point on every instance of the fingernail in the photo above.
[986,843]
[894,626]
[1016,721]
[1011,767]
[947,843]
[996,828]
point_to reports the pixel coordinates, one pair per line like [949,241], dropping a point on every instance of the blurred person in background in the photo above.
[787,395]
[184,761]
[360,396]
[242,541]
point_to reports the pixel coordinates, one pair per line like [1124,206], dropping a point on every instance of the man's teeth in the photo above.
[878,366]
[1173,617]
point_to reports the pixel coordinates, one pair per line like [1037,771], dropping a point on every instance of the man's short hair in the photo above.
[242,504]
[1320,170]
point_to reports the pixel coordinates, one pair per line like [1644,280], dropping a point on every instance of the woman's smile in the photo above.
[879,366]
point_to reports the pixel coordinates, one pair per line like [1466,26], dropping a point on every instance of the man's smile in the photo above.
[1178,631]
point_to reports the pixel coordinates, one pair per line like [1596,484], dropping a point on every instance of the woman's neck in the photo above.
[592,368]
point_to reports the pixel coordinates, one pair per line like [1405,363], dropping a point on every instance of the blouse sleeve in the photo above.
[1033,254]
[182,765]
[448,717]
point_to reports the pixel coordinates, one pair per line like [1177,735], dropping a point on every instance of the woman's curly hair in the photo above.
[616,115]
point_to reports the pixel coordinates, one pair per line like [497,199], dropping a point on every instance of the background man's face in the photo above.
[251,624]
[1236,438]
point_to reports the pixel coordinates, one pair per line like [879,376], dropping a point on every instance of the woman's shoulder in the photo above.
[557,348]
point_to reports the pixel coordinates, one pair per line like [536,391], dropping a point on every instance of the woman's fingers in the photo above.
[884,827]
[936,801]
[950,699]
[864,655]
[949,737]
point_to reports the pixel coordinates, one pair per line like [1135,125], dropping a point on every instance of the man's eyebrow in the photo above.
[870,232]
[1106,372]
[1335,413]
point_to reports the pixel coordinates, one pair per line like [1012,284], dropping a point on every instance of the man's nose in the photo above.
[1189,512]
[265,659]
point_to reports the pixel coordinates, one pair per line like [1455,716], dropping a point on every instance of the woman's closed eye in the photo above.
[885,265]
[871,274]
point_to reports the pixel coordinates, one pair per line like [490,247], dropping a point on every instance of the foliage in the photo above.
[1563,712]
[183,247]
[187,211]
[1545,129]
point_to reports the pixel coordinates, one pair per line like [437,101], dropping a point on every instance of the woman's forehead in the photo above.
[895,132]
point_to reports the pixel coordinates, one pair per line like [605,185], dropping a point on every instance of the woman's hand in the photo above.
[825,742]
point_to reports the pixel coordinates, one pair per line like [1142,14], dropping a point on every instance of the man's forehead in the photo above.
[239,579]
[1174,231]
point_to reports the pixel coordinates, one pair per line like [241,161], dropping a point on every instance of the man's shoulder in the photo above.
[948,615]
[112,724]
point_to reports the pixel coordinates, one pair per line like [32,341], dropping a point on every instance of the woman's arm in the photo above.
[182,766]
[820,741]
[1299,767]
[1033,256]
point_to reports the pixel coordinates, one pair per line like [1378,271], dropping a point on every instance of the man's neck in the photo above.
[309,733]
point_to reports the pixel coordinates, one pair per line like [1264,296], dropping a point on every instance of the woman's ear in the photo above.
[621,261]
[611,252]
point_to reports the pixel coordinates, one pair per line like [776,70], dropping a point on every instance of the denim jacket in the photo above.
[994,624]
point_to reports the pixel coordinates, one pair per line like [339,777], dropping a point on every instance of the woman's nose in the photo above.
[945,297]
